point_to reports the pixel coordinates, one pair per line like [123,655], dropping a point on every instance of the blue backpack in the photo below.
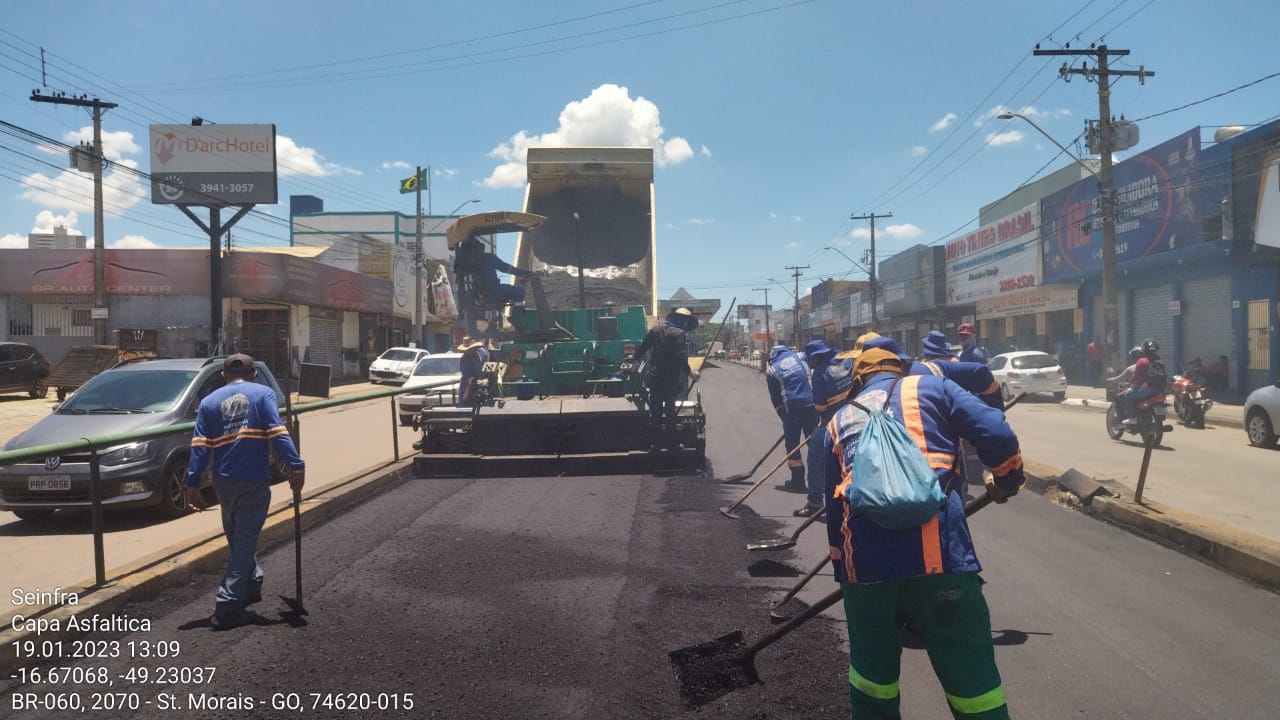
[893,485]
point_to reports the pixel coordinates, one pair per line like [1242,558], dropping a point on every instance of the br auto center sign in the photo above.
[213,165]
[997,258]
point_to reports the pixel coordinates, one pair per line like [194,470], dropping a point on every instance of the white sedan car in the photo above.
[431,370]
[395,365]
[1261,413]
[1028,371]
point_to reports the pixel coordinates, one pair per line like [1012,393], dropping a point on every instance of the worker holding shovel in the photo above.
[237,425]
[925,573]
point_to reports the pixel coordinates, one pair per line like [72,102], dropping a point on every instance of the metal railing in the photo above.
[99,444]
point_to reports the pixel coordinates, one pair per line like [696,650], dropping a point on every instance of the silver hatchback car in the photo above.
[138,394]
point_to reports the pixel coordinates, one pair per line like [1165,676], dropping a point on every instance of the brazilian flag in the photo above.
[409,185]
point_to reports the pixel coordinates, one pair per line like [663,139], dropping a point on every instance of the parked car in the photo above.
[735,355]
[1261,413]
[395,365]
[23,369]
[1028,371]
[135,395]
[430,370]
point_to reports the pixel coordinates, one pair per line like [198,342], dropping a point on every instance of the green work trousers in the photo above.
[950,615]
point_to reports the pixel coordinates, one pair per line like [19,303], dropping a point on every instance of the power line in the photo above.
[1215,96]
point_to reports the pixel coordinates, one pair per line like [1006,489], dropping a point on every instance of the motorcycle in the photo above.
[1151,418]
[1190,400]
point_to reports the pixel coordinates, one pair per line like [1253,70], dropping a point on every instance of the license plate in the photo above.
[49,482]
[1037,375]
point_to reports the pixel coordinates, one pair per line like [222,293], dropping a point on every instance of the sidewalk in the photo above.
[1221,414]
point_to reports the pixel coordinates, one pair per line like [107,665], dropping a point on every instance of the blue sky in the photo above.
[774,120]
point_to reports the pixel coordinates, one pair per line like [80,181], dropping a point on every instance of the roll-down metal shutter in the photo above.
[1206,320]
[326,342]
[1151,318]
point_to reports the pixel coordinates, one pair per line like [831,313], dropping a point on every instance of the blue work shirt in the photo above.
[788,379]
[832,380]
[974,377]
[238,424]
[937,414]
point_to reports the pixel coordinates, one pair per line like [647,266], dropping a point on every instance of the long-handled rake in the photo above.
[728,511]
[715,668]
[743,477]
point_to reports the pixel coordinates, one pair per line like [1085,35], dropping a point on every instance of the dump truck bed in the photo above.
[599,208]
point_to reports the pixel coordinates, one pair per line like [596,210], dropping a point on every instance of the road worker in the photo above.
[792,396]
[969,341]
[926,577]
[831,381]
[667,349]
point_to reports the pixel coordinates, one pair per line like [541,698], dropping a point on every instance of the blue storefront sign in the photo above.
[1156,210]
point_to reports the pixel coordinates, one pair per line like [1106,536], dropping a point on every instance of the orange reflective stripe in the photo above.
[851,573]
[834,552]
[1008,466]
[910,399]
[995,387]
[931,544]
[846,477]
[940,457]
[795,462]
[820,407]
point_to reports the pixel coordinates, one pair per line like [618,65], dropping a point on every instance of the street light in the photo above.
[1008,115]
[855,263]
[419,328]
[1110,294]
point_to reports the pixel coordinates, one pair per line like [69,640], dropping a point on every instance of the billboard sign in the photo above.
[1156,210]
[129,271]
[1266,229]
[213,165]
[909,281]
[1046,298]
[997,258]
[298,281]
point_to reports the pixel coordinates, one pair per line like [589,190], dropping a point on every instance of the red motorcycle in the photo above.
[1150,420]
[1190,400]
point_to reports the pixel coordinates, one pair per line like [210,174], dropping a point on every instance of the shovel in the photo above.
[295,603]
[715,668]
[787,542]
[728,511]
[743,477]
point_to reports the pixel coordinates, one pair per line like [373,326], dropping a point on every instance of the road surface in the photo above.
[561,597]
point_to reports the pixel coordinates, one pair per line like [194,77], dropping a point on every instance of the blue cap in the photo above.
[817,350]
[935,345]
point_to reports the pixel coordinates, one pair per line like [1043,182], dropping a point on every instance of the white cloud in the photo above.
[670,226]
[608,117]
[1008,137]
[13,240]
[294,159]
[73,190]
[46,221]
[918,150]
[905,231]
[133,241]
[796,218]
[794,244]
[446,172]
[704,151]
[943,122]
[115,145]
[396,165]
[1029,111]
[773,216]
[701,221]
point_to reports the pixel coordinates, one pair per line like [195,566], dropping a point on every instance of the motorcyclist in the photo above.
[1140,389]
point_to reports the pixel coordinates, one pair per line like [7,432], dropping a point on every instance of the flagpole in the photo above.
[418,331]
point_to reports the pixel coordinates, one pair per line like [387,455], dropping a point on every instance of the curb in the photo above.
[146,578]
[1244,554]
[1211,420]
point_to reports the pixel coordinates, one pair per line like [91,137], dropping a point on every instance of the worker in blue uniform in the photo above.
[788,379]
[831,381]
[925,576]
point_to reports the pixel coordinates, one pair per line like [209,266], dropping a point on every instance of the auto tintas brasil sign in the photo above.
[213,165]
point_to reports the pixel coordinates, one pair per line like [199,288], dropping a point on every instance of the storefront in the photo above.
[1022,320]
[913,286]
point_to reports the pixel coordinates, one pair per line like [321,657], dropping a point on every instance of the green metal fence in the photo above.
[95,446]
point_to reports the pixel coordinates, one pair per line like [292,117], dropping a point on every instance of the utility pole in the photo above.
[795,331]
[875,320]
[419,333]
[99,312]
[1102,74]
[768,329]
